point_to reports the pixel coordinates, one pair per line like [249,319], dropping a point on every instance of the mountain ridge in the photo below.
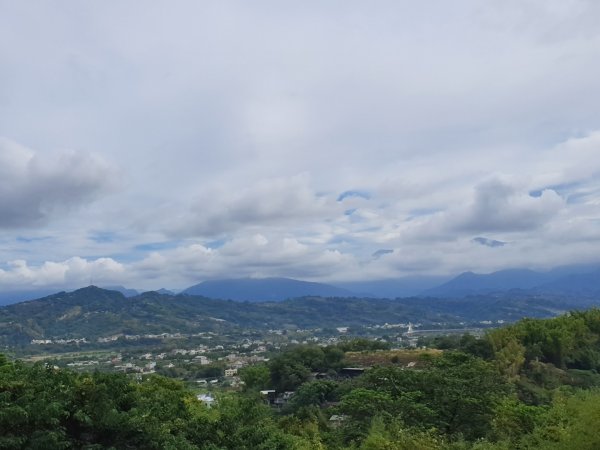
[565,281]
[94,313]
[264,289]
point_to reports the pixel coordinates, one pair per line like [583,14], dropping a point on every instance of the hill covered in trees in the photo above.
[93,312]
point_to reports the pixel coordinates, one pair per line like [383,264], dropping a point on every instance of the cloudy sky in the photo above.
[162,143]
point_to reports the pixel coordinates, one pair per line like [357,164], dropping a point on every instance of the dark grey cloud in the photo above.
[502,207]
[34,188]
[267,203]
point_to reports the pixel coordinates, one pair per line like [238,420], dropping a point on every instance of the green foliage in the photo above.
[476,347]
[315,393]
[44,408]
[510,356]
[569,341]
[532,385]
[255,377]
[394,436]
[294,366]
[456,393]
[34,406]
[512,419]
[245,424]
[571,423]
[287,374]
[361,345]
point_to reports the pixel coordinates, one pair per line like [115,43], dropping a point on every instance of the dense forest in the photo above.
[533,384]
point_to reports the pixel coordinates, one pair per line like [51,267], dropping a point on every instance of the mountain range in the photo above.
[570,280]
[93,313]
[583,281]
[580,280]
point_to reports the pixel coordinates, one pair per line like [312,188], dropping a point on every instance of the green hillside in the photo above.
[92,313]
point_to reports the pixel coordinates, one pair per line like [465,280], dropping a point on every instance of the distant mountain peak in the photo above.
[90,289]
[127,292]
[264,289]
[561,281]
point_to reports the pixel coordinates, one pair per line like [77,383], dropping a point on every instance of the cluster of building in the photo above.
[60,341]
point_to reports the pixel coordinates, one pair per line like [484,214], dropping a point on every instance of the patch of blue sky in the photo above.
[103,237]
[155,246]
[493,243]
[421,212]
[561,189]
[217,243]
[578,197]
[29,240]
[381,252]
[353,193]
[356,218]
[341,239]
[349,212]
[424,211]
[23,252]
[372,229]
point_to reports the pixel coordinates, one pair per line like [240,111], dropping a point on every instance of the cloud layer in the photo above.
[166,144]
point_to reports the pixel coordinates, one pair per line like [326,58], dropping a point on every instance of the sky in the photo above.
[163,143]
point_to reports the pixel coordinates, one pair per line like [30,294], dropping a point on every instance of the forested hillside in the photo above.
[92,312]
[534,384]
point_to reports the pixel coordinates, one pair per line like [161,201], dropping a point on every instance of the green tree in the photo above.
[314,393]
[394,435]
[255,377]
